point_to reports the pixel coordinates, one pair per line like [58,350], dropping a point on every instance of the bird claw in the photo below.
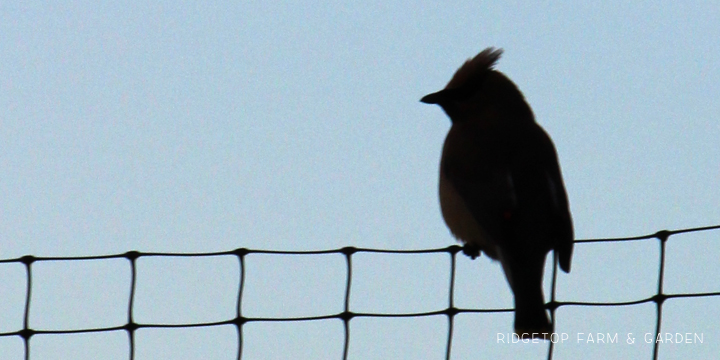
[471,251]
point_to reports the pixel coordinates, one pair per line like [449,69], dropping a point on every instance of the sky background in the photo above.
[207,126]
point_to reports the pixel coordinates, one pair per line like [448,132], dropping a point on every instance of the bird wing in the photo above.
[559,218]
[511,183]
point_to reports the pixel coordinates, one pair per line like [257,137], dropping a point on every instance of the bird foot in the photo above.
[471,251]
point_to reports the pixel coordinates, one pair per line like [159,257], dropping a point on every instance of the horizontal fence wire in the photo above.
[131,326]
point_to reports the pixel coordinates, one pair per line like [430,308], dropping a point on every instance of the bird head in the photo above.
[477,88]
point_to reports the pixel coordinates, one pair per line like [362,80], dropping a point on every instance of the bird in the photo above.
[501,188]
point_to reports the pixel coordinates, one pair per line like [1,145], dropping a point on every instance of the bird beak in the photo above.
[434,98]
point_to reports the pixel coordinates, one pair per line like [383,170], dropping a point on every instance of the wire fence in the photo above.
[131,326]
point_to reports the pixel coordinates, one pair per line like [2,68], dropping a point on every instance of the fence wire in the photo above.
[131,326]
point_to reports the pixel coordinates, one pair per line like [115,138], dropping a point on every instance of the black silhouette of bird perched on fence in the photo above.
[501,191]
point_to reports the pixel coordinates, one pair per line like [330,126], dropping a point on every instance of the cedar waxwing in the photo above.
[501,191]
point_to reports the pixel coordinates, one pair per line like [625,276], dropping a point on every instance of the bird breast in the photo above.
[460,220]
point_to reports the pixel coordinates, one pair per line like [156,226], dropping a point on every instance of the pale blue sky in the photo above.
[183,126]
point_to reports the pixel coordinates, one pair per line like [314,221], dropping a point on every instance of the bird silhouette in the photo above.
[501,190]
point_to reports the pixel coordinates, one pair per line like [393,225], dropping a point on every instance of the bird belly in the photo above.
[460,220]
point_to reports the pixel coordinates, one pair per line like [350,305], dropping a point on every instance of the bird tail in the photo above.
[525,278]
[531,320]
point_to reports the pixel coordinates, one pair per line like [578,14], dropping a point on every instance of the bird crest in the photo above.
[475,68]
